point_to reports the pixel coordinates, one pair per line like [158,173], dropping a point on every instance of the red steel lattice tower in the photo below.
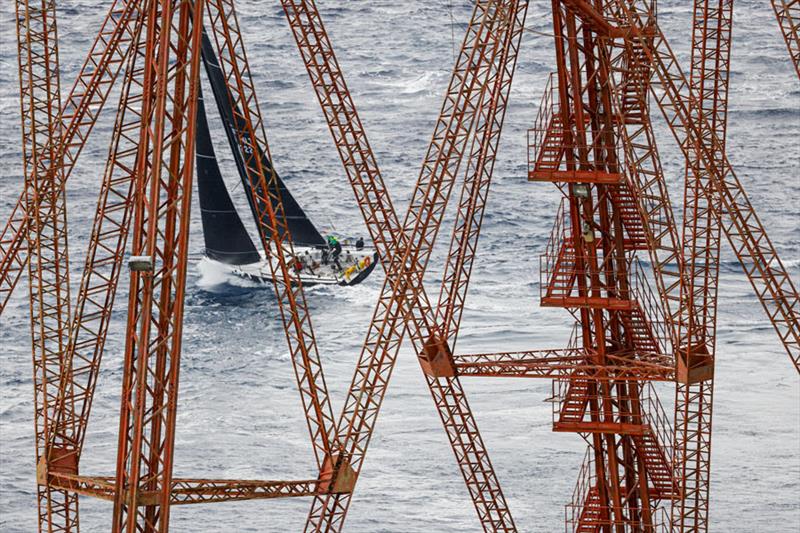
[590,131]
[711,45]
[147,182]
[45,212]
[635,324]
[594,140]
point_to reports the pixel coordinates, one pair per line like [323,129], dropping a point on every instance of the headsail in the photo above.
[300,227]
[226,238]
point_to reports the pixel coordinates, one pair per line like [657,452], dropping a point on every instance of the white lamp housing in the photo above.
[141,263]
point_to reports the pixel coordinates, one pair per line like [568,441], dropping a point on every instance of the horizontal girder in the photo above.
[187,491]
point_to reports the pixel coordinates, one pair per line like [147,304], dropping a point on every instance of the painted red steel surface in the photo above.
[635,324]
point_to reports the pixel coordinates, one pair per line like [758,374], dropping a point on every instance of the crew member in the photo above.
[336,250]
[309,263]
[360,243]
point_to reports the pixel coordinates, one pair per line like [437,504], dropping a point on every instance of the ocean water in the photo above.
[239,411]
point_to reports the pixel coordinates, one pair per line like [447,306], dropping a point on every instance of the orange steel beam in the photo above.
[362,170]
[383,339]
[77,117]
[345,126]
[372,196]
[737,216]
[711,46]
[438,345]
[474,195]
[194,491]
[189,491]
[13,259]
[164,170]
[349,135]
[564,363]
[644,175]
[593,18]
[104,260]
[275,237]
[46,224]
[788,14]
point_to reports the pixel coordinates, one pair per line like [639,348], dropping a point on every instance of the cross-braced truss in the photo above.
[642,291]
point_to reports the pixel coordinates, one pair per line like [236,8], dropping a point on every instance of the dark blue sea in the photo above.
[239,410]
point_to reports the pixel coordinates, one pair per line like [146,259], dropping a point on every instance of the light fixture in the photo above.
[141,263]
[580,190]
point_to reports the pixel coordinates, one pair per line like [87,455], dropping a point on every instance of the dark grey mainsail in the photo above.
[226,238]
[302,230]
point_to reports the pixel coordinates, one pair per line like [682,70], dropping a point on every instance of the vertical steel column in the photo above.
[104,261]
[602,106]
[162,203]
[45,227]
[711,46]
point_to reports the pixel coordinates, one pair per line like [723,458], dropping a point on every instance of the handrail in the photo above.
[645,410]
[542,122]
[658,421]
[660,522]
[548,126]
[558,235]
[650,304]
[586,478]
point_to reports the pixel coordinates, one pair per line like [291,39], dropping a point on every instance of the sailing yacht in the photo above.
[316,260]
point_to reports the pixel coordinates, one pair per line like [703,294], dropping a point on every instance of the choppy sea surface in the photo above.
[239,411]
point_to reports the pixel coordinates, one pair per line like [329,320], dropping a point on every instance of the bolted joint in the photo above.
[61,461]
[41,471]
[336,476]
[694,364]
[141,498]
[436,359]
